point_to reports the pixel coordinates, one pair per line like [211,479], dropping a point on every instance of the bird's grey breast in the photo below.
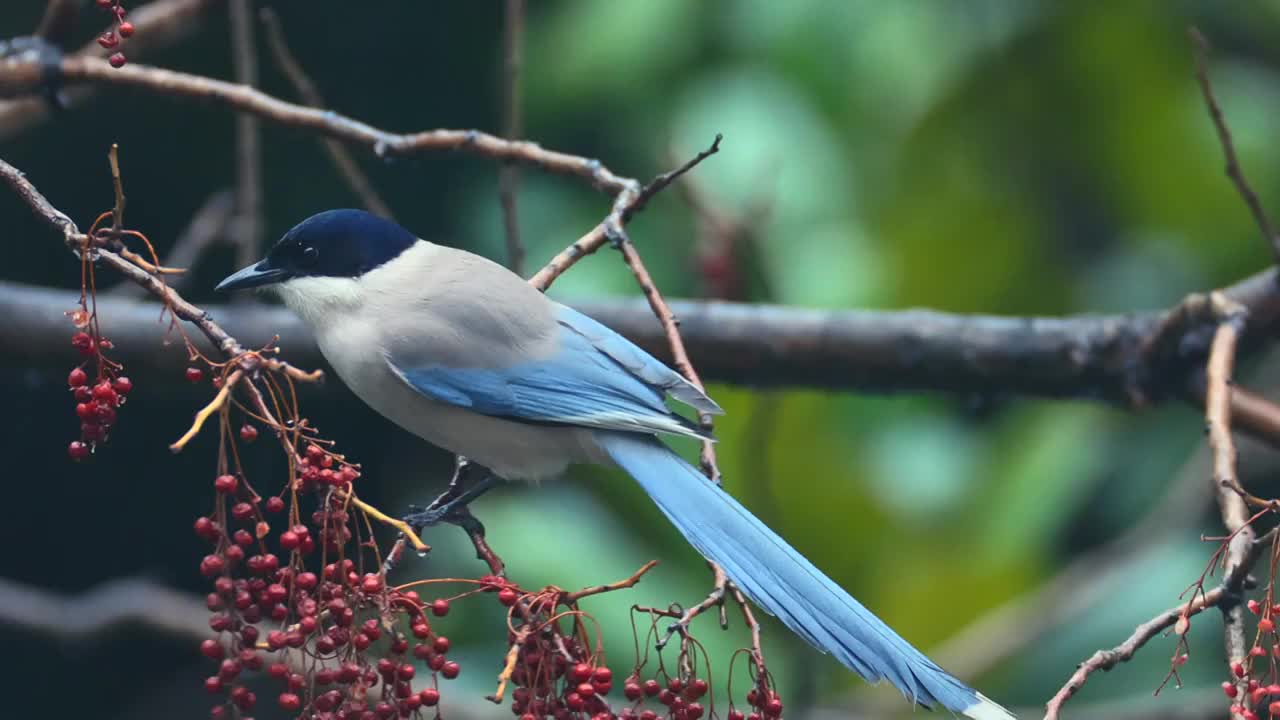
[439,325]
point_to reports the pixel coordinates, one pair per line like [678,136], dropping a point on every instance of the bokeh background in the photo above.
[1011,157]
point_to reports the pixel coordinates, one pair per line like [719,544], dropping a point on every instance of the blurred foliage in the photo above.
[999,156]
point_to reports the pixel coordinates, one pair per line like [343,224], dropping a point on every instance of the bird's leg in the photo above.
[463,488]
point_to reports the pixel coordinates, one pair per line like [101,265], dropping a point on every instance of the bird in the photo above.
[462,352]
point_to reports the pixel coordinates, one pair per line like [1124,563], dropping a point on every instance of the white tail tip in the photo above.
[986,709]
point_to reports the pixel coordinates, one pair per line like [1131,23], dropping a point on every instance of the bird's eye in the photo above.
[309,257]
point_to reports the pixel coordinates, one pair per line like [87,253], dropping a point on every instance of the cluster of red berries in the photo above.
[329,621]
[96,403]
[316,470]
[556,676]
[1258,696]
[120,31]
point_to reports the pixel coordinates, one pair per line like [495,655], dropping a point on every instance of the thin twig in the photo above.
[59,20]
[512,128]
[248,222]
[219,401]
[342,159]
[1233,169]
[660,183]
[573,597]
[207,227]
[671,327]
[1107,659]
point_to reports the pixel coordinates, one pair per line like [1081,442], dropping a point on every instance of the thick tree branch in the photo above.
[107,606]
[762,345]
[158,25]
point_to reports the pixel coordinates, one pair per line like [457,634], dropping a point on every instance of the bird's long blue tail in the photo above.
[781,581]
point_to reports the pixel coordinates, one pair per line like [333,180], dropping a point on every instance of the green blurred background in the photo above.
[1009,157]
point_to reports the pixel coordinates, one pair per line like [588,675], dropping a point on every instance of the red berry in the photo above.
[205,528]
[105,3]
[507,596]
[83,394]
[581,673]
[274,505]
[86,412]
[211,649]
[289,702]
[83,342]
[632,691]
[450,669]
[242,511]
[212,565]
[440,607]
[78,450]
[248,433]
[77,378]
[696,689]
[194,374]
[405,672]
[1266,625]
[117,60]
[306,581]
[735,714]
[586,690]
[651,687]
[371,583]
[108,40]
[106,414]
[694,710]
[122,385]
[773,708]
[225,484]
[243,698]
[429,697]
[1237,669]
[126,29]
[212,685]
[441,645]
[103,392]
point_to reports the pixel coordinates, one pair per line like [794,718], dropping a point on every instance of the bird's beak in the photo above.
[253,276]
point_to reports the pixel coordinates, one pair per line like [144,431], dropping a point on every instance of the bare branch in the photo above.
[1088,356]
[1107,659]
[107,606]
[347,166]
[248,221]
[207,227]
[158,25]
[512,128]
[58,21]
[1233,169]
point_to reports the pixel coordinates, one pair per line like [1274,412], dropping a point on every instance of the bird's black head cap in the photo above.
[334,243]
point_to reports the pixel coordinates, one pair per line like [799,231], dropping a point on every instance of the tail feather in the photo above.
[781,581]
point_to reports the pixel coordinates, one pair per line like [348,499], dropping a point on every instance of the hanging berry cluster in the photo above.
[96,381]
[1259,699]
[119,31]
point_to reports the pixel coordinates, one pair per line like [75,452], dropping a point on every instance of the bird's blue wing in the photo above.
[594,378]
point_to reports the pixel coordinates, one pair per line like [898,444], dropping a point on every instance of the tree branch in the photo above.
[1087,357]
[158,25]
[248,221]
[512,128]
[347,166]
